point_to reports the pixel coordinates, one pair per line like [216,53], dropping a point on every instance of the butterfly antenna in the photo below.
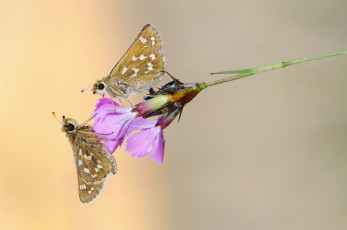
[86,88]
[56,117]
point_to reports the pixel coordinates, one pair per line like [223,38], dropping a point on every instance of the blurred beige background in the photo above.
[267,152]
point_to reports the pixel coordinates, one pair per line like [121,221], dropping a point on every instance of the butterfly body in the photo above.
[94,163]
[141,67]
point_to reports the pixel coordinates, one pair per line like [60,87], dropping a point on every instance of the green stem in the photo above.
[252,71]
[227,79]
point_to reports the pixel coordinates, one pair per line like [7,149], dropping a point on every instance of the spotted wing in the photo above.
[94,165]
[140,70]
[88,192]
[93,161]
[148,36]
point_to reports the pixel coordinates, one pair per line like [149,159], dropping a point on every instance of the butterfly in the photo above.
[141,67]
[94,163]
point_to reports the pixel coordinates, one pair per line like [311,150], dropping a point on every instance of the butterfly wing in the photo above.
[139,71]
[92,162]
[149,36]
[88,192]
[94,165]
[142,65]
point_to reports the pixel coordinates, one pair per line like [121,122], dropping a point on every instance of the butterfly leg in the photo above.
[93,133]
[85,122]
[120,101]
[173,78]
[129,103]
[104,139]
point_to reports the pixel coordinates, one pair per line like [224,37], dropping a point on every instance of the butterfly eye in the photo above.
[70,127]
[101,86]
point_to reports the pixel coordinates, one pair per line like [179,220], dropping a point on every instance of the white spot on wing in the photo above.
[142,57]
[150,68]
[79,162]
[86,170]
[99,166]
[134,75]
[153,40]
[83,186]
[124,69]
[143,40]
[80,152]
[134,58]
[149,64]
[97,170]
[89,192]
[94,175]
[152,56]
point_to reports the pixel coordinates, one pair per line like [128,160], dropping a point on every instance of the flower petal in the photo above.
[114,127]
[105,101]
[112,122]
[107,106]
[140,144]
[139,124]
[158,149]
[113,145]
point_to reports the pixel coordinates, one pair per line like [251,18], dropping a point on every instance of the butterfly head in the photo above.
[68,125]
[99,88]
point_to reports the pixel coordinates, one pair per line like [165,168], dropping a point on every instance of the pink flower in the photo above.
[112,122]
[147,141]
[150,139]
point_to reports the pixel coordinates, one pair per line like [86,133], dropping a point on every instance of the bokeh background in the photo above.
[265,152]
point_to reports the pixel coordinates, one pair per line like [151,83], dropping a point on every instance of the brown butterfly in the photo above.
[141,67]
[94,163]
